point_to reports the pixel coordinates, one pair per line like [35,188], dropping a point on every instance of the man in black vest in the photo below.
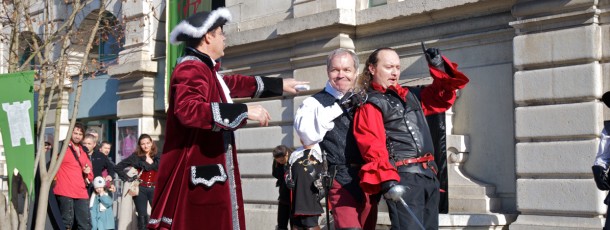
[393,136]
[326,119]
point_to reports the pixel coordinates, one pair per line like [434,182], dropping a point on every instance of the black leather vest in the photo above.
[407,131]
[339,143]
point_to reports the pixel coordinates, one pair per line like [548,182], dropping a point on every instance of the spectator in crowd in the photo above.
[100,206]
[91,132]
[280,160]
[146,162]
[72,179]
[105,148]
[48,151]
[99,161]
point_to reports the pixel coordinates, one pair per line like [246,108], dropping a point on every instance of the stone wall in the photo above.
[475,34]
[560,60]
[521,137]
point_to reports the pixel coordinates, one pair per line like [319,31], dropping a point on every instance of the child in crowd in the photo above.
[280,166]
[305,183]
[100,206]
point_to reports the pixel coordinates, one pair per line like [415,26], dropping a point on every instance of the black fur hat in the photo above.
[197,25]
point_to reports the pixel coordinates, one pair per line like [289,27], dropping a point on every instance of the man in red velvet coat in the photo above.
[199,184]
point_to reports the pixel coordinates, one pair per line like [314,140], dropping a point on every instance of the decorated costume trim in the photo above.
[260,86]
[185,28]
[232,188]
[228,116]
[164,219]
[271,86]
[187,58]
[208,174]
[316,152]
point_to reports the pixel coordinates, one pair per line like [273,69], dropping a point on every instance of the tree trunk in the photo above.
[43,203]
[5,209]
[14,217]
[23,218]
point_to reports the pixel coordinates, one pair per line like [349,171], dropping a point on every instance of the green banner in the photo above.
[17,125]
[178,10]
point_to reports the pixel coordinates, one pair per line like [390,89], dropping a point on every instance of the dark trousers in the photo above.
[75,209]
[422,196]
[283,215]
[145,195]
[607,202]
[607,224]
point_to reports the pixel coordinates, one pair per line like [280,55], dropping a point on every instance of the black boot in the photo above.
[142,221]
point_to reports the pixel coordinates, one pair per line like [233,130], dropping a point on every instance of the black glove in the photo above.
[387,185]
[434,58]
[351,100]
[600,175]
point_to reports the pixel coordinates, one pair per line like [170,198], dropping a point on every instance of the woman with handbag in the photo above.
[146,162]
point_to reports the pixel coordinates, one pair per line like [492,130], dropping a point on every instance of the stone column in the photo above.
[558,81]
[136,70]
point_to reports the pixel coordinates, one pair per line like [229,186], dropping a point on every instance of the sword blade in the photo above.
[411,213]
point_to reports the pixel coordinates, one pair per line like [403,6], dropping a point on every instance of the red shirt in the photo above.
[70,181]
[370,132]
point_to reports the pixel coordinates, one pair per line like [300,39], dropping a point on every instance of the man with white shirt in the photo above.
[325,118]
[600,166]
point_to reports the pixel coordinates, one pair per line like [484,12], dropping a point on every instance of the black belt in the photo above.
[352,165]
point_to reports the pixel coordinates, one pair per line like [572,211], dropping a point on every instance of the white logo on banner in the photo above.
[19,122]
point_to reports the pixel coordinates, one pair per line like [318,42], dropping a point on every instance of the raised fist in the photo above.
[434,58]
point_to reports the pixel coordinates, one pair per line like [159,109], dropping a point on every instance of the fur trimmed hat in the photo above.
[99,182]
[197,25]
[606,98]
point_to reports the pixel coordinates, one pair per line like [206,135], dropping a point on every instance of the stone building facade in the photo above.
[522,135]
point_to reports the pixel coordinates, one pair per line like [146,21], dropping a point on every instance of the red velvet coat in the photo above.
[199,129]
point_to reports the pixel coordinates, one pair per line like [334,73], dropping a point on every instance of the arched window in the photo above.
[109,41]
[26,49]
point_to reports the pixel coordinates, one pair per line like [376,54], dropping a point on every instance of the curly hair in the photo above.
[364,79]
